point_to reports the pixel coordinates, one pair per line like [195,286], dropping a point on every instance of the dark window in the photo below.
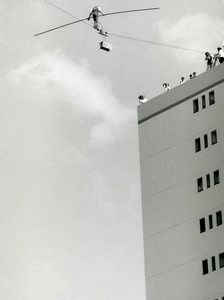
[206,141]
[219,218]
[205,266]
[210,221]
[197,145]
[202,225]
[203,102]
[216,177]
[221,260]
[200,184]
[213,263]
[195,106]
[208,181]
[214,137]
[211,97]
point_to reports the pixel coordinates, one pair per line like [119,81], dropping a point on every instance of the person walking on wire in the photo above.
[95,11]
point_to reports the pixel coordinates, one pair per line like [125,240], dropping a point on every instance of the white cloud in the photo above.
[67,203]
[90,95]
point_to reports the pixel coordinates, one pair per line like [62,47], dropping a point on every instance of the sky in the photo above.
[70,202]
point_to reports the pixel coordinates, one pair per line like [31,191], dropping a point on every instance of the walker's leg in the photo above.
[96,26]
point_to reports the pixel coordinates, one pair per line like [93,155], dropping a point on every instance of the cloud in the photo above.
[90,96]
[199,32]
[66,133]
[63,122]
[68,165]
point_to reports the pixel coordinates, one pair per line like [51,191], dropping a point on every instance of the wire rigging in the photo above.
[104,15]
[66,12]
[113,34]
[154,43]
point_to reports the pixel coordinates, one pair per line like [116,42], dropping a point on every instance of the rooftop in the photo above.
[181,93]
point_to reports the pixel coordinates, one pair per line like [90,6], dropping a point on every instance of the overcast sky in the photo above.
[70,215]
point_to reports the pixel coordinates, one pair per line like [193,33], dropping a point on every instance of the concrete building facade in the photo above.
[181,140]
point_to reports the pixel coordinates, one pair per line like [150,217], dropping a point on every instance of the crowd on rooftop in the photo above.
[212,61]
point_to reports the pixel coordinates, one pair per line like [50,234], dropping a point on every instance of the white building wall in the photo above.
[172,205]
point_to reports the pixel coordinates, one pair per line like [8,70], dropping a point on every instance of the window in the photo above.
[197,145]
[211,97]
[195,106]
[206,141]
[205,266]
[208,181]
[221,260]
[210,221]
[203,102]
[200,184]
[219,218]
[214,137]
[216,177]
[202,225]
[213,263]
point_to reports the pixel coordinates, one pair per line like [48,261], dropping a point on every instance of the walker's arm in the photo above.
[89,16]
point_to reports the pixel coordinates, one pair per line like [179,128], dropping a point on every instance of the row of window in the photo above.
[207,179]
[205,139]
[209,221]
[205,264]
[211,101]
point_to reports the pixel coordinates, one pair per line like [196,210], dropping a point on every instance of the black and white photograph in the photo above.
[111,150]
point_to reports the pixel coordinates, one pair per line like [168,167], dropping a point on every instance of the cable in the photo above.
[155,43]
[61,9]
[66,12]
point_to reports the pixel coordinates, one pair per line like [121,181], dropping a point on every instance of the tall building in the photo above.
[181,138]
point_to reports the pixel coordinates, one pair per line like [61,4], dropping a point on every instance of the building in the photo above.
[181,137]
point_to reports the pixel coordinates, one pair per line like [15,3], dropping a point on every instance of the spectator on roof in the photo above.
[209,59]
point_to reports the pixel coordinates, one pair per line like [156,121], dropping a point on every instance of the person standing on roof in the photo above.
[95,11]
[142,99]
[219,56]
[209,59]
[166,86]
[182,80]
